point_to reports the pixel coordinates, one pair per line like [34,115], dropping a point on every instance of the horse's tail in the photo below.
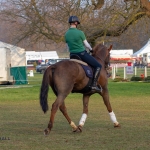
[44,89]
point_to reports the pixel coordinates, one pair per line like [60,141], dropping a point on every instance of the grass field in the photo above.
[22,121]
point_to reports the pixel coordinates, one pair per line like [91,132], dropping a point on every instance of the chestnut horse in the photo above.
[66,76]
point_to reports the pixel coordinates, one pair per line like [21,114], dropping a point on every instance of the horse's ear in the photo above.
[109,49]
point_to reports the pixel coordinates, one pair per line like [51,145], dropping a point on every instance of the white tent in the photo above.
[17,57]
[12,64]
[143,50]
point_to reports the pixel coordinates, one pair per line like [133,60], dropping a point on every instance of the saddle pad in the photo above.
[88,71]
[79,61]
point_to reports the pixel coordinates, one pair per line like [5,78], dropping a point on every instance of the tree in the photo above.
[46,20]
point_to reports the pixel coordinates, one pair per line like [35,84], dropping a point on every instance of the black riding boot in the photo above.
[94,84]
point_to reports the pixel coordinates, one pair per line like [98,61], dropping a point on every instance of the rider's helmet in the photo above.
[73,19]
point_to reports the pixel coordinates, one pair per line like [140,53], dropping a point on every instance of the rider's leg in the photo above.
[95,64]
[96,75]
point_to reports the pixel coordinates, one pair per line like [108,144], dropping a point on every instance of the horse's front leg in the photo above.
[105,95]
[84,114]
[64,112]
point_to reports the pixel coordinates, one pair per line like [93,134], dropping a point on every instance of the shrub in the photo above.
[147,78]
[120,80]
[136,78]
[117,79]
[35,64]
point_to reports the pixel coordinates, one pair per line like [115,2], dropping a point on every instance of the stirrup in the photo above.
[96,89]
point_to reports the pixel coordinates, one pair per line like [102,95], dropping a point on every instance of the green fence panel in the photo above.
[19,74]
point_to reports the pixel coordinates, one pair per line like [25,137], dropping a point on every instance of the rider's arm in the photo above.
[67,46]
[87,44]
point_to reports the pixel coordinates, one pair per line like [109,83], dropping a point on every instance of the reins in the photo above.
[106,66]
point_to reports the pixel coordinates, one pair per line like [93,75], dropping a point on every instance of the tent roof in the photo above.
[144,49]
[12,47]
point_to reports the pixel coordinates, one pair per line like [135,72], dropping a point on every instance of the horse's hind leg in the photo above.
[58,102]
[105,96]
[64,112]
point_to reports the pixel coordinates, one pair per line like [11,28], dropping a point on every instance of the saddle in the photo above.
[88,71]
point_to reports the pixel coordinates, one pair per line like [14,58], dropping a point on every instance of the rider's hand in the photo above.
[91,51]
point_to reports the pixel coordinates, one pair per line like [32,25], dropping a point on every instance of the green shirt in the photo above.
[74,39]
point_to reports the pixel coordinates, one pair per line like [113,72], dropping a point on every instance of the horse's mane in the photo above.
[98,47]
[100,51]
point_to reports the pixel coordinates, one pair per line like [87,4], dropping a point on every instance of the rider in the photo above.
[77,42]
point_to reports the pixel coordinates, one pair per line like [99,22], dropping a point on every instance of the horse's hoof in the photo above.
[117,125]
[46,132]
[79,129]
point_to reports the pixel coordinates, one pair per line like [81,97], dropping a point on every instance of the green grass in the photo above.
[23,122]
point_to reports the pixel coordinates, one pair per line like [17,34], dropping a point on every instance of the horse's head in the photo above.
[102,53]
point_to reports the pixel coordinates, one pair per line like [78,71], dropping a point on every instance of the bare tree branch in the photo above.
[47,20]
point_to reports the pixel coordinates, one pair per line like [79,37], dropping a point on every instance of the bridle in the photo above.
[107,61]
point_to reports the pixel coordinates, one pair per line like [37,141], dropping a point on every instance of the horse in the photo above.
[67,76]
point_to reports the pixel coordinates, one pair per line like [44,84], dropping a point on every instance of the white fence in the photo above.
[123,73]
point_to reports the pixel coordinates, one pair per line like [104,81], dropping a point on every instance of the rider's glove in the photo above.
[91,51]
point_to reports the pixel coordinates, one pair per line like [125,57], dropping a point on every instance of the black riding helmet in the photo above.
[73,19]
